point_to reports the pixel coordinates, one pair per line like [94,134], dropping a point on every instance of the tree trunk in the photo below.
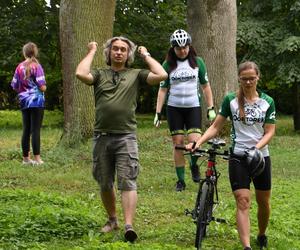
[80,23]
[296,98]
[213,27]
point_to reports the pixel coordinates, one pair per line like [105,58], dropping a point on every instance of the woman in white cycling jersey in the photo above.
[186,72]
[252,114]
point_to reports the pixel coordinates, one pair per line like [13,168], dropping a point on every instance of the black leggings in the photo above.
[32,122]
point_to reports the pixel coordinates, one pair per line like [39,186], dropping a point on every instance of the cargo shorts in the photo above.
[115,155]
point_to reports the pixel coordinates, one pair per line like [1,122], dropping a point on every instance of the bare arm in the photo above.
[207,94]
[161,95]
[157,72]
[83,71]
[269,132]
[211,132]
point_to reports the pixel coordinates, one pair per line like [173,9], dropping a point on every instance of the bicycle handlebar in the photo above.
[215,144]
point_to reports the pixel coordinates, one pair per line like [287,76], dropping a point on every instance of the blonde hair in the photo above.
[131,49]
[30,52]
[240,94]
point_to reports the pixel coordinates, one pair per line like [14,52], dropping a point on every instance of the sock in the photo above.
[180,172]
[193,160]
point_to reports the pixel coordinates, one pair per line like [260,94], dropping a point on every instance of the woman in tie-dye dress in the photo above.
[29,82]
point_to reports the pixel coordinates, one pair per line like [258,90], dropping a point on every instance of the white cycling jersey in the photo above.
[246,133]
[183,83]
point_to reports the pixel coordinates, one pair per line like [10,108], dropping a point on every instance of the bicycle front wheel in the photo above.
[202,209]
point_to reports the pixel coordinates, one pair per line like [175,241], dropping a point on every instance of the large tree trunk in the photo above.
[80,23]
[296,98]
[213,26]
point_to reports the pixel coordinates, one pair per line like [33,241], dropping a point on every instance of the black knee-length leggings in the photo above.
[32,122]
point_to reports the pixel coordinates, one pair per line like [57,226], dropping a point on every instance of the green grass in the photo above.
[56,206]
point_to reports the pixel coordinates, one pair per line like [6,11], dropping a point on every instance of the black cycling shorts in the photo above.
[184,119]
[240,178]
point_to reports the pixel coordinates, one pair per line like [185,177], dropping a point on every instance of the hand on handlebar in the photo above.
[192,146]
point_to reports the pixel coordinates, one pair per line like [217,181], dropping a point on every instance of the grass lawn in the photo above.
[56,205]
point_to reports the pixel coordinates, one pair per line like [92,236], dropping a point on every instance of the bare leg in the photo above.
[242,197]
[129,201]
[263,210]
[178,154]
[109,202]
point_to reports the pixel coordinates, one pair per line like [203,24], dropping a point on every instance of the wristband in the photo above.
[146,54]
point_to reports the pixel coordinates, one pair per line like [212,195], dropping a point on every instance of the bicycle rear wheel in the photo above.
[202,208]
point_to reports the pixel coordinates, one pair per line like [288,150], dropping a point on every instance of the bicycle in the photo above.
[202,213]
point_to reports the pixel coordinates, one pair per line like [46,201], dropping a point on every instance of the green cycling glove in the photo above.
[157,120]
[211,114]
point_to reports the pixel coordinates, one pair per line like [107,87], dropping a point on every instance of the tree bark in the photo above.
[213,27]
[296,98]
[80,23]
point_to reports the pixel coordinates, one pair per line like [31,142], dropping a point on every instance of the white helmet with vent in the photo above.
[180,38]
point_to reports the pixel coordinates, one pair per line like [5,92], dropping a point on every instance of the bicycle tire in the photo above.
[210,202]
[201,213]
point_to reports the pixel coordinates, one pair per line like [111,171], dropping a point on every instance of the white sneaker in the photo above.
[40,162]
[27,162]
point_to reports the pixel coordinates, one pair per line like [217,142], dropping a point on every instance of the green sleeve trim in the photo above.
[165,83]
[271,111]
[202,72]
[225,107]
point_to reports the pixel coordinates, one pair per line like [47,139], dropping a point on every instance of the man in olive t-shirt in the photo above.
[115,145]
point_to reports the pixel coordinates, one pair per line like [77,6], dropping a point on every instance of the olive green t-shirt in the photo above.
[116,99]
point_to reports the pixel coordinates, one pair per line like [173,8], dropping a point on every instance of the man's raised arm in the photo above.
[83,71]
[157,72]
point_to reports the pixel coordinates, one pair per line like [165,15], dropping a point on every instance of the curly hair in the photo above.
[107,49]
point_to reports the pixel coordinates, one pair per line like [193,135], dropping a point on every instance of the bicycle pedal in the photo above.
[220,220]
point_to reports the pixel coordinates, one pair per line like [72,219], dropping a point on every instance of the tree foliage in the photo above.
[269,33]
[23,21]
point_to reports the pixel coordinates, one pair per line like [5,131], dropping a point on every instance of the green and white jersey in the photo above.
[246,133]
[183,83]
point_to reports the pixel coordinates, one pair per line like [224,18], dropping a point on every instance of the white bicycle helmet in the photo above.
[180,38]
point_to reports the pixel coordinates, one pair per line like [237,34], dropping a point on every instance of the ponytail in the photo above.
[30,52]
[241,102]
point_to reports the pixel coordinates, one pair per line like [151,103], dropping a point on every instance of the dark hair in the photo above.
[171,58]
[107,48]
[30,52]
[240,94]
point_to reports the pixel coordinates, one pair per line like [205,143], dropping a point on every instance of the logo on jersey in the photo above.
[253,114]
[183,75]
[272,116]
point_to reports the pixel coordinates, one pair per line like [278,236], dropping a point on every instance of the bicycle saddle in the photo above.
[217,142]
